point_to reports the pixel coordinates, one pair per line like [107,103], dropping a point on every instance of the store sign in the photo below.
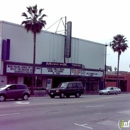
[93,74]
[76,72]
[54,64]
[68,40]
[83,72]
[59,64]
[38,70]
[22,69]
[56,71]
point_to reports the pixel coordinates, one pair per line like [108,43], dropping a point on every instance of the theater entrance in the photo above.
[58,80]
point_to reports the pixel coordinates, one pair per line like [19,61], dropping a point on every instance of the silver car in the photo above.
[109,90]
[14,91]
[118,89]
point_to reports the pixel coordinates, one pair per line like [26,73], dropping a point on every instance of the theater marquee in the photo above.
[56,71]
[23,69]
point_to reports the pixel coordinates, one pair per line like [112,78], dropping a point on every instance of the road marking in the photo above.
[125,112]
[96,106]
[83,125]
[98,113]
[109,123]
[9,114]
[19,102]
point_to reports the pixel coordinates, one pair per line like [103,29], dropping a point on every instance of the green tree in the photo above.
[110,68]
[34,22]
[119,45]
[115,69]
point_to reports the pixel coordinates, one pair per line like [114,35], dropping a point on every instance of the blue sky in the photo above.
[94,20]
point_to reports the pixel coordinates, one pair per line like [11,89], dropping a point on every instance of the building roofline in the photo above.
[18,25]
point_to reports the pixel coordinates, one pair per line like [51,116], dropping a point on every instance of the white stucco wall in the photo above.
[88,53]
[50,47]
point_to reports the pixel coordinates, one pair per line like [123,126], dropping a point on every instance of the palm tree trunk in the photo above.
[117,83]
[34,57]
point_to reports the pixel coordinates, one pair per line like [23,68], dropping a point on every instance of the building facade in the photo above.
[123,80]
[86,63]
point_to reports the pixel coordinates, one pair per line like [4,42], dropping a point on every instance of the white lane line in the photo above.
[83,125]
[98,113]
[9,114]
[96,106]
[19,102]
[125,112]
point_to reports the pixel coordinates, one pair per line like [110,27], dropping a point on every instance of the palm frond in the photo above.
[35,22]
[44,15]
[40,11]
[119,44]
[25,15]
[34,9]
[29,10]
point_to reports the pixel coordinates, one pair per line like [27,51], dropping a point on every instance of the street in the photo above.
[89,112]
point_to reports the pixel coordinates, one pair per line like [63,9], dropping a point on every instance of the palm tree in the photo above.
[34,22]
[119,45]
[115,69]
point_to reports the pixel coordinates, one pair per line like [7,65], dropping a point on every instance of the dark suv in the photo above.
[14,91]
[66,89]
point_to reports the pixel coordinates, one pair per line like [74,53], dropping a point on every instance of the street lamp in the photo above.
[105,65]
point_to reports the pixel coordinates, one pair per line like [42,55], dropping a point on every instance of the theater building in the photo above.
[86,62]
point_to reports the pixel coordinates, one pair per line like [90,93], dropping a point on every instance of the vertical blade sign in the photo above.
[68,40]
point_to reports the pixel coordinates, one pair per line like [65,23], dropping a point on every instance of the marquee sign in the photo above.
[93,73]
[59,64]
[76,71]
[24,69]
[50,68]
[56,71]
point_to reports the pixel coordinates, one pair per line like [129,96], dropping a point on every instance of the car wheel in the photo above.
[25,97]
[116,93]
[77,95]
[108,93]
[52,96]
[2,98]
[16,99]
[62,95]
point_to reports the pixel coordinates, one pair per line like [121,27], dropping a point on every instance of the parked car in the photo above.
[109,90]
[66,89]
[118,89]
[14,91]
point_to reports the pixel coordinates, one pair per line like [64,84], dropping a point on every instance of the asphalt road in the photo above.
[89,112]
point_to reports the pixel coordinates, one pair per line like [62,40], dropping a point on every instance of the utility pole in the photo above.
[105,65]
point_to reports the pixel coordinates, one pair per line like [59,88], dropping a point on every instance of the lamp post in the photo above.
[105,65]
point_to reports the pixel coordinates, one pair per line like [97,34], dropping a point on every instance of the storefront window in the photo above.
[12,79]
[39,82]
[28,81]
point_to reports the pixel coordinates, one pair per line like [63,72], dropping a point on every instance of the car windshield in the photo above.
[107,88]
[62,85]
